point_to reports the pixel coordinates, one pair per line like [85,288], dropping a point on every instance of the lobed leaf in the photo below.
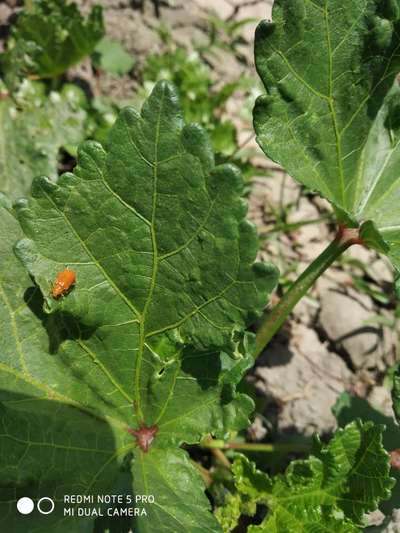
[329,492]
[48,38]
[153,329]
[348,408]
[330,115]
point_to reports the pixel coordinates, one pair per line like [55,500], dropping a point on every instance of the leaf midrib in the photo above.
[332,103]
[142,336]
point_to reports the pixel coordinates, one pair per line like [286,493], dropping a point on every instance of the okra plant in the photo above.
[127,288]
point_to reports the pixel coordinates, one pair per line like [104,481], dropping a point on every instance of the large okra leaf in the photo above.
[328,493]
[332,108]
[153,329]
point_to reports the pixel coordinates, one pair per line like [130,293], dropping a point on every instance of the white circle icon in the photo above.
[25,505]
[45,511]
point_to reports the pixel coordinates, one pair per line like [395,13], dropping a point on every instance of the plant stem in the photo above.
[205,474]
[256,447]
[220,457]
[276,318]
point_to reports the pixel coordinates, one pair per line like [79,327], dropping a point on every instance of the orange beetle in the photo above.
[63,283]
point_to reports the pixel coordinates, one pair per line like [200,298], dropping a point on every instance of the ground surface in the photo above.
[343,336]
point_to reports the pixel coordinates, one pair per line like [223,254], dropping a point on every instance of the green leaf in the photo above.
[348,408]
[329,492]
[223,136]
[47,434]
[177,488]
[110,56]
[103,114]
[49,38]
[33,128]
[201,100]
[235,506]
[192,78]
[166,283]
[331,113]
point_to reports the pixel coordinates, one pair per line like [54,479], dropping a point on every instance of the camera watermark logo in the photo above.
[45,505]
[26,505]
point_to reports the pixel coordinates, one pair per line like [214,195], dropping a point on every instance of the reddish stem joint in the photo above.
[144,436]
[348,236]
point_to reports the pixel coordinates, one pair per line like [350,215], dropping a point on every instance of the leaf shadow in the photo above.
[60,326]
[122,486]
[204,367]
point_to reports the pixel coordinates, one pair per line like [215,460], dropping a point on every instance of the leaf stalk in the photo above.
[273,321]
[256,446]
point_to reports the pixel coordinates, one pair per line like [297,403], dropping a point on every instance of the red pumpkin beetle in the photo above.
[63,283]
